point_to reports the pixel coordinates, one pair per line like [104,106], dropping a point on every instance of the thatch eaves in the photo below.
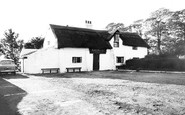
[80,37]
[133,39]
[73,37]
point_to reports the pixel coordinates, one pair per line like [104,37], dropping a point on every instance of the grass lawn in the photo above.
[161,78]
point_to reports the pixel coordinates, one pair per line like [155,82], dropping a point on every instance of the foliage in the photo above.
[157,26]
[112,27]
[11,47]
[164,31]
[161,64]
[137,27]
[177,27]
[35,43]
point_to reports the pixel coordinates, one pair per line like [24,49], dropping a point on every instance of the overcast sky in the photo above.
[30,18]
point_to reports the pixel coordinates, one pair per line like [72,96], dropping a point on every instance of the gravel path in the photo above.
[87,96]
[44,98]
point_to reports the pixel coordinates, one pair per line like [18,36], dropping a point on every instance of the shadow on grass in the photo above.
[10,96]
[62,75]
[12,76]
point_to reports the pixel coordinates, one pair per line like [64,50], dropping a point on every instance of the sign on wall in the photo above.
[98,51]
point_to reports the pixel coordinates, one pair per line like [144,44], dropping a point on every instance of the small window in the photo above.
[116,40]
[116,44]
[48,42]
[76,59]
[120,59]
[134,48]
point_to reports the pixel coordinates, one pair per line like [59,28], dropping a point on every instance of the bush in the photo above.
[172,64]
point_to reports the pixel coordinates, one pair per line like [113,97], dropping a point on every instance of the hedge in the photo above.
[163,64]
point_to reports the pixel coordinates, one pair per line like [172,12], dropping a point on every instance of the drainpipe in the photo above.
[23,63]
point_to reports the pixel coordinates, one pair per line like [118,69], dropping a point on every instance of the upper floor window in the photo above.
[116,40]
[48,42]
[119,59]
[134,48]
[77,59]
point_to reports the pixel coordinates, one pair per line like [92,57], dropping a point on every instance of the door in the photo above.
[96,61]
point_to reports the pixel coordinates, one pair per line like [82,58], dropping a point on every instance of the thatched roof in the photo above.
[133,39]
[81,37]
[130,39]
[96,39]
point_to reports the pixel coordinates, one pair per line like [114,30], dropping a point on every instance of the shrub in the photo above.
[172,64]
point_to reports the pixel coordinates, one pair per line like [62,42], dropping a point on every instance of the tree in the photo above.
[35,43]
[177,27]
[157,25]
[11,47]
[112,27]
[137,27]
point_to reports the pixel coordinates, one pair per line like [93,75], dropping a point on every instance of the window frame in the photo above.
[76,59]
[121,60]
[116,40]
[134,48]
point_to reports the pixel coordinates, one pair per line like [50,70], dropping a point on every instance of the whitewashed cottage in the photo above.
[81,49]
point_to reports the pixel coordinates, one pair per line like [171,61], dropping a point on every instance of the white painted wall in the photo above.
[107,60]
[50,39]
[127,52]
[62,58]
[65,58]
[66,54]
[43,58]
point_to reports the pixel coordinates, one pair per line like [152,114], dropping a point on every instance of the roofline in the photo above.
[128,33]
[71,27]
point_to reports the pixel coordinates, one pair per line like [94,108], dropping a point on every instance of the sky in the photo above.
[31,18]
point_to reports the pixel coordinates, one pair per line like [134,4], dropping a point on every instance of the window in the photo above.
[48,42]
[116,40]
[120,59]
[134,48]
[116,44]
[6,62]
[76,59]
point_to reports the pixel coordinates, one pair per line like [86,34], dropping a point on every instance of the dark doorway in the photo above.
[96,61]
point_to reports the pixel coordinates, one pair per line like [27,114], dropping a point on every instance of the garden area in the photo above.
[94,93]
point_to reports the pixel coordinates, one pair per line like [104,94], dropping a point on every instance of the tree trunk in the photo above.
[184,32]
[159,42]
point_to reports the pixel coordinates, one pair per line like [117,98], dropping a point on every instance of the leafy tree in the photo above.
[11,47]
[112,27]
[137,27]
[156,25]
[177,28]
[35,43]
[1,49]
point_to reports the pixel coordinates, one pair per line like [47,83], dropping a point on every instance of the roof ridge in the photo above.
[75,28]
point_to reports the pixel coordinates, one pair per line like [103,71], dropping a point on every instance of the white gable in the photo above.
[50,39]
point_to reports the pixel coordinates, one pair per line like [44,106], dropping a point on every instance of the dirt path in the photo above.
[96,96]
[49,99]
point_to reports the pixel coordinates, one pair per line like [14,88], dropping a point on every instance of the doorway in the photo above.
[96,65]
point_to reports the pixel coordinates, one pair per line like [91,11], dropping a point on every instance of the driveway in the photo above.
[92,94]
[40,97]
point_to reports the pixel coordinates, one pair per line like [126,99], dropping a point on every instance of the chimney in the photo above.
[88,24]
